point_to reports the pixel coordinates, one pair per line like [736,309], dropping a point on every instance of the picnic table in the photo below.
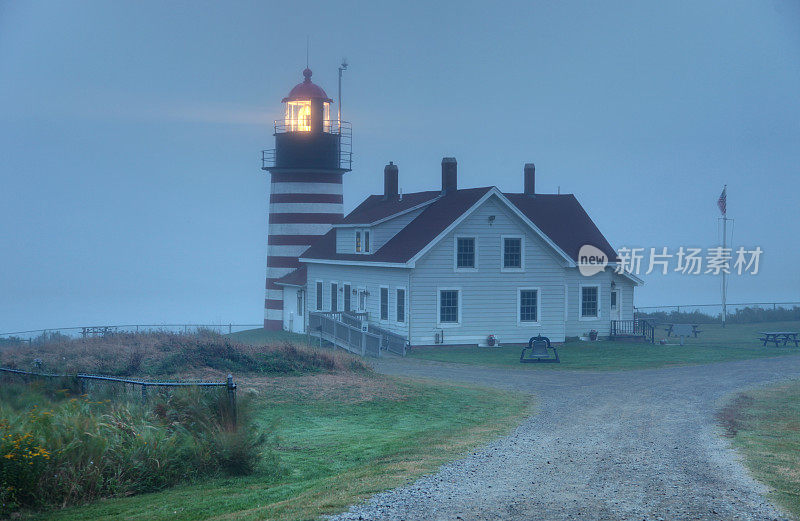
[779,336]
[670,329]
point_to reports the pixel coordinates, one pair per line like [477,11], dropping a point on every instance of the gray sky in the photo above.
[130,135]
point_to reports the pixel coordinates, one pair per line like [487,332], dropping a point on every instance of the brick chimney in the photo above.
[449,175]
[530,179]
[390,181]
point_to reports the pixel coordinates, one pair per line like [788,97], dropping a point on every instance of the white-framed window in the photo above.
[465,253]
[589,302]
[346,295]
[362,241]
[334,296]
[512,253]
[528,306]
[448,305]
[319,295]
[400,304]
[384,303]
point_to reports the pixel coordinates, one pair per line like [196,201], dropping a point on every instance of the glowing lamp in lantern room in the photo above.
[307,107]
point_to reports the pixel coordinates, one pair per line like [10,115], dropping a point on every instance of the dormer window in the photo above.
[362,241]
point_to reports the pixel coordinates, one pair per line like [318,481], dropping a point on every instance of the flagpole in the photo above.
[724,245]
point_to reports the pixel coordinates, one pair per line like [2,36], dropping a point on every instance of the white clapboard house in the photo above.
[446,266]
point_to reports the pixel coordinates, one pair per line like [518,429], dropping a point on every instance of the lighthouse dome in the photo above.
[307,90]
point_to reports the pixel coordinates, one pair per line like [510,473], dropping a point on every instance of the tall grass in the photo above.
[57,448]
[165,353]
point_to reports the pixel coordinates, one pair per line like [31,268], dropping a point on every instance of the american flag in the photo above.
[722,202]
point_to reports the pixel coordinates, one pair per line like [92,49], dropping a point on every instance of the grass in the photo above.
[715,344]
[204,354]
[262,336]
[765,427]
[341,439]
[61,448]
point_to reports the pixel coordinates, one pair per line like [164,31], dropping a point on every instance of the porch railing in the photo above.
[636,327]
[344,329]
[390,341]
[331,327]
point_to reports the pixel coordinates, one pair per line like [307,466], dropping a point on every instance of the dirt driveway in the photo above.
[628,445]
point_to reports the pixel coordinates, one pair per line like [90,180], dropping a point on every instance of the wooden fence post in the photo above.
[144,393]
[232,398]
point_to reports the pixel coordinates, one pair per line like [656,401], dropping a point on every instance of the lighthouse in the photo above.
[312,152]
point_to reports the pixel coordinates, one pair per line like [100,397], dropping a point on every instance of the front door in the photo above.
[614,304]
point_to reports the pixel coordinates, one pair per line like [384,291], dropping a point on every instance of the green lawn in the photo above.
[715,344]
[765,427]
[342,439]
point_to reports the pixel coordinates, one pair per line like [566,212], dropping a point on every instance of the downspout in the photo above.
[408,311]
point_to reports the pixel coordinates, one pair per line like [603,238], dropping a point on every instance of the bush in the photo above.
[58,449]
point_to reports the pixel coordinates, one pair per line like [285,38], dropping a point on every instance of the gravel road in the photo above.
[626,445]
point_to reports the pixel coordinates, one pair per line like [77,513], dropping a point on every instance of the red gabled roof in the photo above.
[419,232]
[375,207]
[563,219]
[295,278]
[560,217]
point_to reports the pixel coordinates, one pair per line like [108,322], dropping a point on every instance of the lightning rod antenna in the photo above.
[342,68]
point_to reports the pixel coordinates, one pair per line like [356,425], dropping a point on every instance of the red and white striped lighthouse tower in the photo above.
[311,154]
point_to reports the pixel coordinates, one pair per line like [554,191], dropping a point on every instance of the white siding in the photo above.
[489,295]
[580,326]
[366,277]
[345,240]
[625,288]
[291,320]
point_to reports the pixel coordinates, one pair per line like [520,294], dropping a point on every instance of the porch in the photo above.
[638,329]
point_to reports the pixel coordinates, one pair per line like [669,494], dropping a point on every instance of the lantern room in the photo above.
[307,107]
[306,138]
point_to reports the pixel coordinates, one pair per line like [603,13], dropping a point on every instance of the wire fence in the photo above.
[746,312]
[88,383]
[59,333]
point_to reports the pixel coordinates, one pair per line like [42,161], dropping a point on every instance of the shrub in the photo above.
[58,449]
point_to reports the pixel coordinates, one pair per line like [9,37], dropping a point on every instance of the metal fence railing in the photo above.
[48,334]
[746,312]
[87,380]
[717,308]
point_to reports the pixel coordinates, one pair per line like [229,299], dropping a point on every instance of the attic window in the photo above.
[512,251]
[362,241]
[465,253]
